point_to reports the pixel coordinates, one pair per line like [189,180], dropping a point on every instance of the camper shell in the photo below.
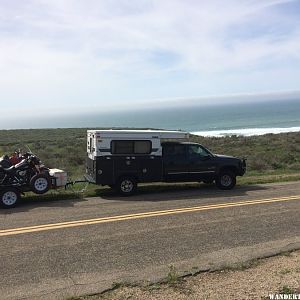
[123,158]
[112,154]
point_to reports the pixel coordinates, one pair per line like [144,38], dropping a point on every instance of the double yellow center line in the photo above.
[38,228]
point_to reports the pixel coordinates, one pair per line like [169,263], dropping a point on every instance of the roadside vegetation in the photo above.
[270,158]
[278,277]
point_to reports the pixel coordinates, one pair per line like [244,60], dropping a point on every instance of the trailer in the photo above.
[10,193]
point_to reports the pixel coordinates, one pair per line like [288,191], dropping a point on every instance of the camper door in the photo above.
[91,145]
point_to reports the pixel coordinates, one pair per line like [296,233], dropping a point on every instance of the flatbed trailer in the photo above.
[10,194]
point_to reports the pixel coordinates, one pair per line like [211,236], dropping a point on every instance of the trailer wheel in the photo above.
[226,180]
[9,198]
[127,186]
[40,183]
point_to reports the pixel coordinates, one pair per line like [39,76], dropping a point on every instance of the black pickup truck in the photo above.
[177,162]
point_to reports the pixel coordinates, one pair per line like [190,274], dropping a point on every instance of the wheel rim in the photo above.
[126,186]
[9,198]
[41,184]
[226,180]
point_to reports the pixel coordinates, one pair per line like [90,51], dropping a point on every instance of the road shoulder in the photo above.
[256,279]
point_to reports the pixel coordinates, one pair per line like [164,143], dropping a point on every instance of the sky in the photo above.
[71,56]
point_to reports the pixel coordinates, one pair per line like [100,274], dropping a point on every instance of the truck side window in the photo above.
[196,150]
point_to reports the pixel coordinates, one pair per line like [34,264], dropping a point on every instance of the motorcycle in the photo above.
[29,174]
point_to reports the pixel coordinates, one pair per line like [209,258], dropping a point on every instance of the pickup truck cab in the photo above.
[193,162]
[123,158]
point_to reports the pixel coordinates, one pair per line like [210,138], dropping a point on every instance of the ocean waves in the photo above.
[245,131]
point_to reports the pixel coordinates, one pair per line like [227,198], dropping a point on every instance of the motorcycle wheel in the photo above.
[40,183]
[9,198]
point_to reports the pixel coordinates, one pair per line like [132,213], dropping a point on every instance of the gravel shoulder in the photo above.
[256,280]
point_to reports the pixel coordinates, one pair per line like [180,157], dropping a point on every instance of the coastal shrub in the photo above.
[295,166]
[277,165]
[257,164]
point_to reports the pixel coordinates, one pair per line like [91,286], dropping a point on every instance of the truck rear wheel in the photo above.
[9,198]
[226,180]
[127,186]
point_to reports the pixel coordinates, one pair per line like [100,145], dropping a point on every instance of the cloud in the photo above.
[70,50]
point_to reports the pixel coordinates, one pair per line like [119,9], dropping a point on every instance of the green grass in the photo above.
[286,290]
[172,276]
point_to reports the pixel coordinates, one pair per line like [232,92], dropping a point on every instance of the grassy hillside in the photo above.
[66,149]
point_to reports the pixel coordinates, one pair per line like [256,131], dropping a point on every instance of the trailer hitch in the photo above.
[71,185]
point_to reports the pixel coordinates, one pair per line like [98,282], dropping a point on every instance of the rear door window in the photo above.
[174,150]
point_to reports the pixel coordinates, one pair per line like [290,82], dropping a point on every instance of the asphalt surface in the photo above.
[138,238]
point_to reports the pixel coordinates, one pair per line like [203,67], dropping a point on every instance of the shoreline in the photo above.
[245,131]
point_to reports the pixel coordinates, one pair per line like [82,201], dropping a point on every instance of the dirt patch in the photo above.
[280,274]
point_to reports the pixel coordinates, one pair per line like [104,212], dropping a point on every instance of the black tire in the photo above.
[40,183]
[9,198]
[126,186]
[226,180]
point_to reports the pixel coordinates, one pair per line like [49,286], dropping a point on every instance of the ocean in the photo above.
[214,120]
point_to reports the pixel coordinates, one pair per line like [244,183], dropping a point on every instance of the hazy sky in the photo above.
[72,55]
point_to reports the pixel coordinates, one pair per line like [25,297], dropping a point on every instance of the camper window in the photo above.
[131,147]
[122,147]
[142,147]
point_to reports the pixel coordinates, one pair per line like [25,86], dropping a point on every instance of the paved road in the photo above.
[56,249]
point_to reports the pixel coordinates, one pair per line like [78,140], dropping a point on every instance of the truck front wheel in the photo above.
[226,180]
[127,186]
